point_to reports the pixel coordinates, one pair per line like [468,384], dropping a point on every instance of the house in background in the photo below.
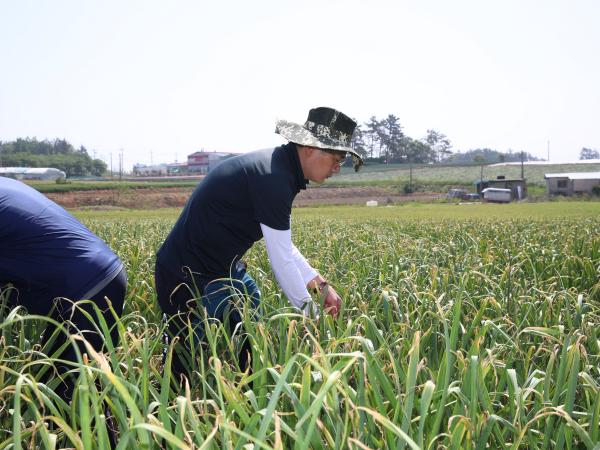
[197,163]
[200,163]
[572,183]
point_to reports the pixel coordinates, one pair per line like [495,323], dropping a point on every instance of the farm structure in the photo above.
[517,186]
[32,173]
[177,168]
[155,170]
[497,195]
[572,183]
[203,162]
[197,163]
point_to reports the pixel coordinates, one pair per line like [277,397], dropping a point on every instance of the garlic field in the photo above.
[467,333]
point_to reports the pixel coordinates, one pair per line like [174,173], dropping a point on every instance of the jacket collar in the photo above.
[292,152]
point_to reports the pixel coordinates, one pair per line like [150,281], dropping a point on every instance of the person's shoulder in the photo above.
[16,194]
[260,156]
[14,185]
[257,163]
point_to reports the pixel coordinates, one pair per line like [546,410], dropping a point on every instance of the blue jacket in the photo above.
[45,252]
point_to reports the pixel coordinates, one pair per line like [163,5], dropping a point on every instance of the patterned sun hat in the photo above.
[325,128]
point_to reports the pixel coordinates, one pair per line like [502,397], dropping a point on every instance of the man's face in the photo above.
[323,164]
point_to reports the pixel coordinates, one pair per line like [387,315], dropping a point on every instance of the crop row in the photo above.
[453,334]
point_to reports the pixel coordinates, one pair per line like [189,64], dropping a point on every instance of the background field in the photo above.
[436,178]
[409,211]
[457,175]
[463,327]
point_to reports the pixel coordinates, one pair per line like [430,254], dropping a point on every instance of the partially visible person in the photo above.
[242,200]
[49,261]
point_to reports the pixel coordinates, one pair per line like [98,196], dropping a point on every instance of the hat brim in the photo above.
[297,134]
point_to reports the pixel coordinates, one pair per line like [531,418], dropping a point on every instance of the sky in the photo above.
[157,80]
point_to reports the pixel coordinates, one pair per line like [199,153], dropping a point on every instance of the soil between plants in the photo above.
[173,197]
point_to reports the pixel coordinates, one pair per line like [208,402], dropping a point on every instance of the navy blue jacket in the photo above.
[45,252]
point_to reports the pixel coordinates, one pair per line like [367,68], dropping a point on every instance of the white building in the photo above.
[152,170]
[32,173]
[203,162]
[571,183]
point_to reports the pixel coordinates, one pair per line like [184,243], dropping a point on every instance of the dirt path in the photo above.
[357,195]
[176,197]
[123,198]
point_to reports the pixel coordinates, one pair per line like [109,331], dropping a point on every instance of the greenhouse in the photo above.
[32,173]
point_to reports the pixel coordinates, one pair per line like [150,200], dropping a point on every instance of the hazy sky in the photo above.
[166,78]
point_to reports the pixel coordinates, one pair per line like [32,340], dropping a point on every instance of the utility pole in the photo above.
[111,171]
[121,165]
[548,152]
[522,166]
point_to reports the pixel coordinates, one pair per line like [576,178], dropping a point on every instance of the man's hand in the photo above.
[333,302]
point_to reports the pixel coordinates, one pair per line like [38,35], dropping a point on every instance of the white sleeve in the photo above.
[281,256]
[307,272]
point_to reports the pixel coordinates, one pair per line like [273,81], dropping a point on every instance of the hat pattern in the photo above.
[325,128]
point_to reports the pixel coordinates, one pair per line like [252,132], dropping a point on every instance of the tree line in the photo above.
[588,153]
[384,141]
[59,153]
[381,141]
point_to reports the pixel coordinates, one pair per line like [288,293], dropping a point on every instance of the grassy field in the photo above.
[463,327]
[405,211]
[50,187]
[452,175]
[425,177]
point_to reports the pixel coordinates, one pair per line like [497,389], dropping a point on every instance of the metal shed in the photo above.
[571,183]
[517,186]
